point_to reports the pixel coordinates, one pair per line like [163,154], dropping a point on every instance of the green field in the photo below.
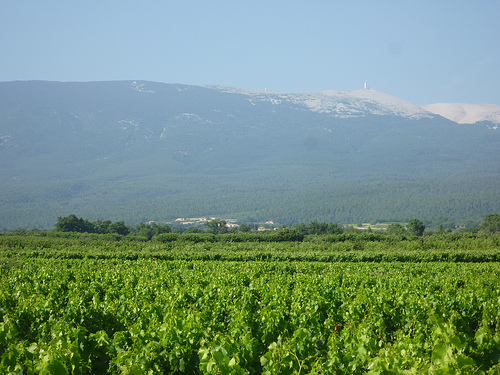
[336,306]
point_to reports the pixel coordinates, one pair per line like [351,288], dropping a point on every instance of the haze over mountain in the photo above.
[143,151]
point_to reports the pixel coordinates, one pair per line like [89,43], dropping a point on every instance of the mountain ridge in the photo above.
[486,112]
[470,113]
[461,113]
[465,113]
[336,102]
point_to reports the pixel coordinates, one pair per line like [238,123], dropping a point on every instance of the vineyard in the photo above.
[320,306]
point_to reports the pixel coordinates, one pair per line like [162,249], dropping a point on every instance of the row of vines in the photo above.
[418,249]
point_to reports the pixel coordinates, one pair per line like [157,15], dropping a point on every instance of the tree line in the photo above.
[72,223]
[247,232]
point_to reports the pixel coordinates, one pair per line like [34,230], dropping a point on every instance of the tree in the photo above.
[415,227]
[395,229]
[244,228]
[334,228]
[316,228]
[120,228]
[193,230]
[216,226]
[440,230]
[101,226]
[151,229]
[72,223]
[287,234]
[491,223]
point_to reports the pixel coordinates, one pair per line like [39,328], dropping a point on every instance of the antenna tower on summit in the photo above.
[365,85]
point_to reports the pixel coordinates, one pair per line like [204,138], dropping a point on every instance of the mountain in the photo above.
[141,151]
[467,113]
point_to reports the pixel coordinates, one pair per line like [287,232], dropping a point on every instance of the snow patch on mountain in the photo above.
[463,113]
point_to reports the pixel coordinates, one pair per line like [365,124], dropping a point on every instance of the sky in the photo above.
[420,51]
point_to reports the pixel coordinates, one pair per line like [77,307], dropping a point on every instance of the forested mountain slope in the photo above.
[151,151]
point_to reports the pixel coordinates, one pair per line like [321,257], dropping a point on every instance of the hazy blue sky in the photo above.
[421,51]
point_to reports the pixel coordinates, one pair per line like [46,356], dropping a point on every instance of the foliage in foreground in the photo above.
[85,316]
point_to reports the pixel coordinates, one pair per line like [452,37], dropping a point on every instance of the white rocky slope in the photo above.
[339,103]
[358,102]
[466,113]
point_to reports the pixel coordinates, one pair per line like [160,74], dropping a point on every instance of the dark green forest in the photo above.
[452,202]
